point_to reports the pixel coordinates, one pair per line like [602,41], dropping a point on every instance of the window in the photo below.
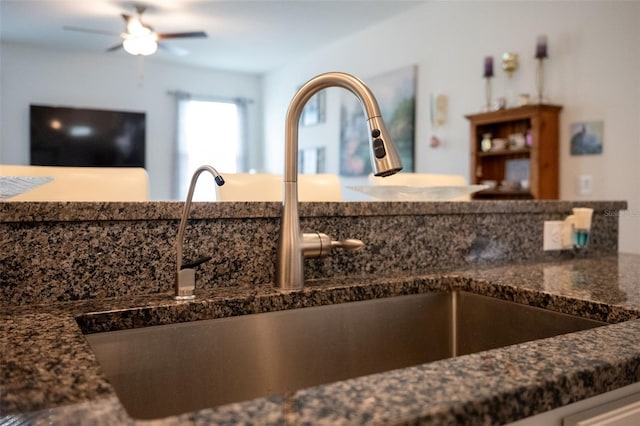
[208,132]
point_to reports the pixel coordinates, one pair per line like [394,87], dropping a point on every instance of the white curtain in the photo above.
[209,131]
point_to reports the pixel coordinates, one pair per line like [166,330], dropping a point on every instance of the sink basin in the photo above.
[171,369]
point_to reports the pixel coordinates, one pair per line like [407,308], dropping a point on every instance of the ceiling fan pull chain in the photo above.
[140,70]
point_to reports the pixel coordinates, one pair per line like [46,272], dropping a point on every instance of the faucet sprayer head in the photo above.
[384,156]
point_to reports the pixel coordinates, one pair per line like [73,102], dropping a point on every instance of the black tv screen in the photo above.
[65,136]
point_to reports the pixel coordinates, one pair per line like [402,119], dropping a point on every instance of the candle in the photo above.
[541,47]
[488,66]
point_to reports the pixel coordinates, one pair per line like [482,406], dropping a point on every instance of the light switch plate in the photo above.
[585,182]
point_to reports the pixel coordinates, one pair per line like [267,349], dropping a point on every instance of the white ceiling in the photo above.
[247,36]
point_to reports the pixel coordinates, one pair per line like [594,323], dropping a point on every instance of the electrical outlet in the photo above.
[584,182]
[552,237]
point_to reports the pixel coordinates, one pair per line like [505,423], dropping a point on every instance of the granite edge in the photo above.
[172,210]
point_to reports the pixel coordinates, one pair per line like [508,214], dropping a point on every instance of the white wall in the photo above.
[111,81]
[593,71]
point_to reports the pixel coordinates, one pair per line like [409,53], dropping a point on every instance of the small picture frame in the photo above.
[586,137]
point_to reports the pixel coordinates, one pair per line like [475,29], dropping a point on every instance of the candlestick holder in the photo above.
[488,73]
[487,93]
[541,54]
[540,81]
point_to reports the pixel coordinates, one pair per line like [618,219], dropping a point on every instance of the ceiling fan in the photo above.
[139,38]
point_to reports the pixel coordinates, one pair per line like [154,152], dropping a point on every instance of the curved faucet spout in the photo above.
[185,274]
[385,161]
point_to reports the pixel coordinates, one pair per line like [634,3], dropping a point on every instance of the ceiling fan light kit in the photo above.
[140,45]
[139,38]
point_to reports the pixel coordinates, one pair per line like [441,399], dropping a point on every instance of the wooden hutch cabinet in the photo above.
[527,167]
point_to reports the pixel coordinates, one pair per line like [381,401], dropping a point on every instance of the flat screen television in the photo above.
[81,137]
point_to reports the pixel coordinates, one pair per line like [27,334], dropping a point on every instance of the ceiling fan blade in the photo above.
[86,30]
[174,50]
[192,34]
[114,48]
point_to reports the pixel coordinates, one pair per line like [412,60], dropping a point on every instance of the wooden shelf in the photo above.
[537,163]
[522,151]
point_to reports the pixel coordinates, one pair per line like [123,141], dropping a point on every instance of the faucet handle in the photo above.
[317,244]
[196,262]
[349,244]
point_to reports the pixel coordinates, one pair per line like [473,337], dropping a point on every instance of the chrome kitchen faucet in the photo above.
[293,246]
[186,274]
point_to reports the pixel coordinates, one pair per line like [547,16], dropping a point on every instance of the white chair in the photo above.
[422,179]
[82,183]
[319,187]
[268,187]
[250,187]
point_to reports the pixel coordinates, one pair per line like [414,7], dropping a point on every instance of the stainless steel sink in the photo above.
[166,370]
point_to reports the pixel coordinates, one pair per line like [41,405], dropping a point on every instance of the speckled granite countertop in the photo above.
[49,374]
